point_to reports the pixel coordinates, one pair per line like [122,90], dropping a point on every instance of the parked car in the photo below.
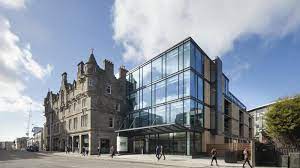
[32,148]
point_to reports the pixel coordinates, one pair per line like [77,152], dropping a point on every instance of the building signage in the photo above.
[122,144]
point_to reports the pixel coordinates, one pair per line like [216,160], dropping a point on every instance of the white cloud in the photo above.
[17,65]
[14,4]
[146,28]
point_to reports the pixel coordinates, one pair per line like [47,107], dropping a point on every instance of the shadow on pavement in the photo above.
[16,155]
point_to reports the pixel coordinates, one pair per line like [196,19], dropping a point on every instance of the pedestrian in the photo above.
[246,157]
[66,149]
[87,151]
[162,152]
[157,152]
[99,150]
[213,156]
[112,151]
[83,151]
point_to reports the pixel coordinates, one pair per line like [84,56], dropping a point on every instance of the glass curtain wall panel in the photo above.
[147,74]
[172,88]
[172,62]
[157,71]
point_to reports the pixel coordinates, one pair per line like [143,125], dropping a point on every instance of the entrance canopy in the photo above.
[157,129]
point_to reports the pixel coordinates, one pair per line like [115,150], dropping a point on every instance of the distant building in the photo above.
[86,112]
[258,114]
[7,145]
[21,143]
[38,138]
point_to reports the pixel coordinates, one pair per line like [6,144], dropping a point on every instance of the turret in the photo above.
[80,70]
[91,64]
[64,80]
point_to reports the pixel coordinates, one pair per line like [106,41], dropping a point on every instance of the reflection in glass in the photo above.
[134,100]
[199,115]
[147,74]
[176,112]
[146,97]
[180,85]
[135,79]
[172,88]
[172,61]
[186,83]
[187,54]
[198,61]
[180,56]
[186,109]
[193,84]
[160,115]
[160,92]
[200,88]
[157,69]
[144,117]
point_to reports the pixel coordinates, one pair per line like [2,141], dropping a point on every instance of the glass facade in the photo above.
[165,83]
[168,90]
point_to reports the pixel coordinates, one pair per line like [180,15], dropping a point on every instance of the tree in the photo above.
[283,121]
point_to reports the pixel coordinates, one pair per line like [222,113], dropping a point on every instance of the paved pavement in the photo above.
[24,159]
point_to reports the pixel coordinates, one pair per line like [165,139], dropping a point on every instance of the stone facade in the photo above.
[86,112]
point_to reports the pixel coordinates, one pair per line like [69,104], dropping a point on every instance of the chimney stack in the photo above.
[122,72]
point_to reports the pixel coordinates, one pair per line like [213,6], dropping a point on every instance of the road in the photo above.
[24,159]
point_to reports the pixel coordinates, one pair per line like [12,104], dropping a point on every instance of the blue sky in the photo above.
[259,47]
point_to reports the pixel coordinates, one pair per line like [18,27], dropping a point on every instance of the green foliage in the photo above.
[283,121]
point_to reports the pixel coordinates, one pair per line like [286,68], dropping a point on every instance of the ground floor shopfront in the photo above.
[88,141]
[174,139]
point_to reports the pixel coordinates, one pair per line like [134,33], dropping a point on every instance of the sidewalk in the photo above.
[171,160]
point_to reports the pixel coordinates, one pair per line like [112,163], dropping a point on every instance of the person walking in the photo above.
[83,151]
[213,156]
[162,152]
[99,150]
[112,151]
[157,152]
[246,157]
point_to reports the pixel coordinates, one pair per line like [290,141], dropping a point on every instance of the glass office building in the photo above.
[165,98]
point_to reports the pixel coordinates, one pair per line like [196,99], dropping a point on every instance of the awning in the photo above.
[157,129]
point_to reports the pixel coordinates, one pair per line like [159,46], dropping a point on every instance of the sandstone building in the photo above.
[86,112]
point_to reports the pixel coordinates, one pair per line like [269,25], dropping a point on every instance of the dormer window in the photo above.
[108,89]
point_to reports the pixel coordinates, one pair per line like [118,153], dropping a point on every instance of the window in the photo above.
[135,79]
[117,107]
[146,97]
[108,89]
[134,101]
[147,74]
[90,82]
[172,61]
[70,124]
[186,83]
[175,111]
[157,69]
[200,88]
[84,120]
[160,115]
[83,103]
[75,121]
[187,54]
[74,107]
[111,122]
[160,92]
[172,88]
[198,61]
[180,56]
